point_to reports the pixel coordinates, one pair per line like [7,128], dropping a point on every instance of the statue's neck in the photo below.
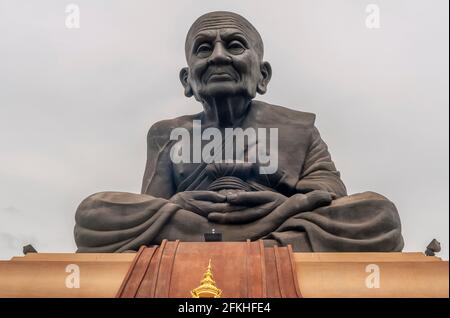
[225,111]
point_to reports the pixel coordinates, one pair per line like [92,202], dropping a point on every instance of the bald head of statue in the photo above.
[224,53]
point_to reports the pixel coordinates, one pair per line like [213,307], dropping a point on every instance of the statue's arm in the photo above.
[158,176]
[319,171]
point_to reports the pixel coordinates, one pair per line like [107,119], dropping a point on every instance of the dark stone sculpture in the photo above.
[433,248]
[28,249]
[303,202]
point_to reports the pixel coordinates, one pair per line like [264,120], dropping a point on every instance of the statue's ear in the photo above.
[266,72]
[184,75]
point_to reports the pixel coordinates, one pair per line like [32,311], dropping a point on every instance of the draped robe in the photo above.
[119,221]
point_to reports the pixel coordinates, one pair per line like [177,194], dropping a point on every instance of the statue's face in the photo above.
[224,61]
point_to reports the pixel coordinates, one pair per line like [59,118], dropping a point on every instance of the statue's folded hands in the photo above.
[185,226]
[250,206]
[246,207]
[201,202]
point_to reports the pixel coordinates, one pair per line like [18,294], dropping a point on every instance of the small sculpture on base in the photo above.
[433,248]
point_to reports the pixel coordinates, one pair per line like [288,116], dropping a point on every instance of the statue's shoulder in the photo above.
[160,131]
[279,114]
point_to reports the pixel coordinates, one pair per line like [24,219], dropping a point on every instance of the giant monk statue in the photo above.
[279,184]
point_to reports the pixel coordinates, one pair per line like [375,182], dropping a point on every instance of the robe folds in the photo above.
[119,221]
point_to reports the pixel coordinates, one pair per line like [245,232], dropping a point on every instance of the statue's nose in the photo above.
[219,55]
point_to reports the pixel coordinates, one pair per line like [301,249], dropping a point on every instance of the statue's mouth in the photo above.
[220,77]
[220,74]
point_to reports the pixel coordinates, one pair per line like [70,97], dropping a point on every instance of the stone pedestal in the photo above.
[318,275]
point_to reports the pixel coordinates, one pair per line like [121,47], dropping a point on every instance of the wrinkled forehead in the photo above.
[221,21]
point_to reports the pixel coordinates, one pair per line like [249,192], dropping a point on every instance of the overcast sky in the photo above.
[76,104]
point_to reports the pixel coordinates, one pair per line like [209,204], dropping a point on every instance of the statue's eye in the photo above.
[236,47]
[204,50]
